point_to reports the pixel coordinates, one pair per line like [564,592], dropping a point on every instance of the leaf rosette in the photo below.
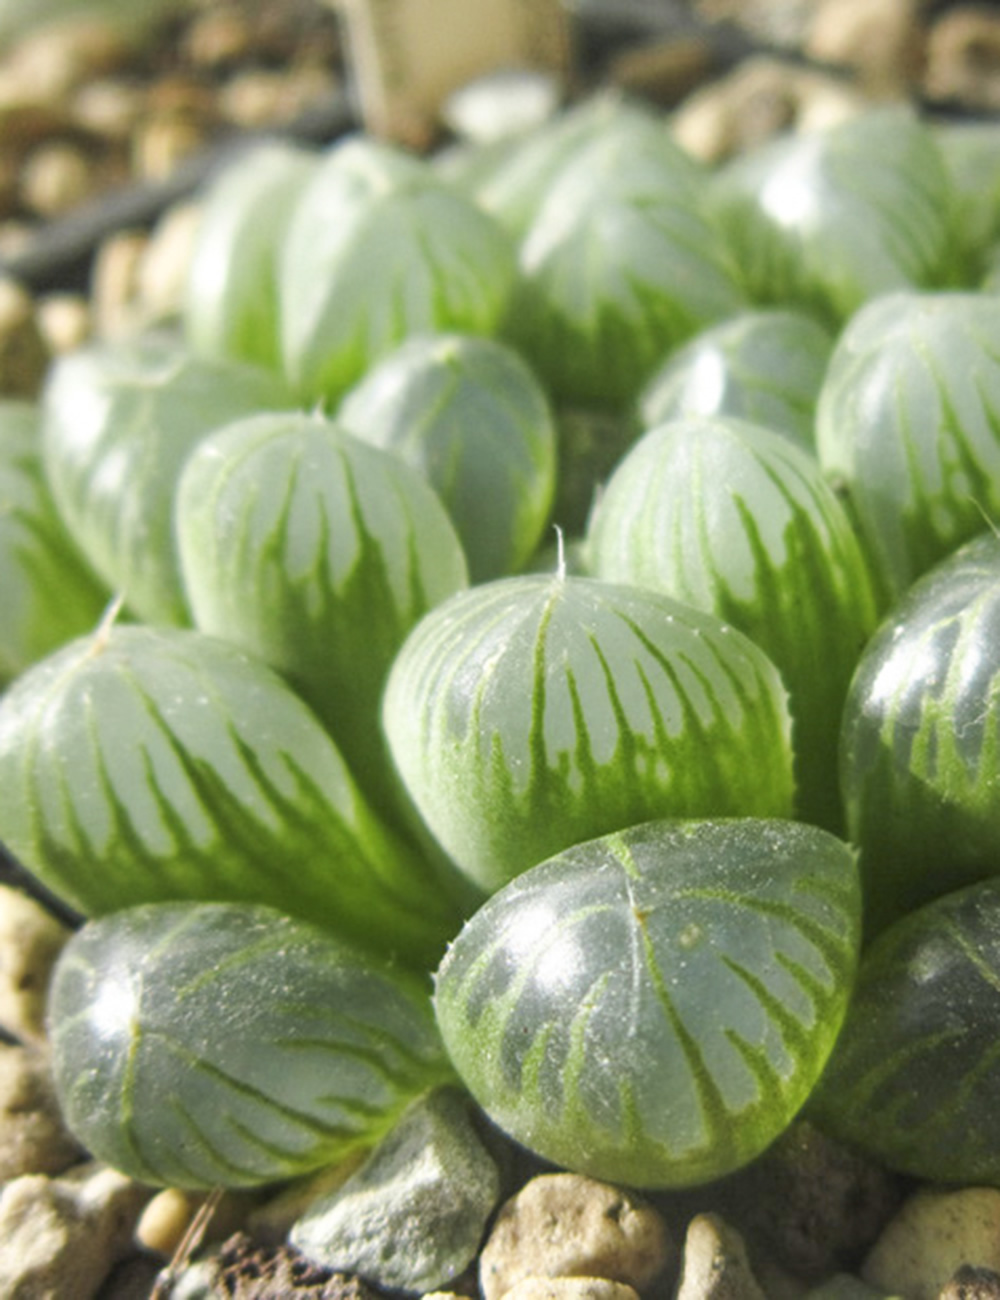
[318,554]
[920,741]
[118,422]
[230,306]
[50,594]
[143,765]
[533,712]
[653,1007]
[765,366]
[378,249]
[471,417]
[827,219]
[908,424]
[209,1044]
[734,519]
[913,1079]
[622,262]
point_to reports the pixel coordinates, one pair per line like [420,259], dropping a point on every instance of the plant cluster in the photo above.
[653,838]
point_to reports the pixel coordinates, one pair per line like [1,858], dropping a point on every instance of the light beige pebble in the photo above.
[567,1225]
[963,57]
[49,62]
[56,178]
[162,143]
[714,1264]
[165,1220]
[162,273]
[570,1288]
[883,41]
[65,322]
[759,100]
[114,284]
[33,1137]
[933,1234]
[60,1237]
[30,941]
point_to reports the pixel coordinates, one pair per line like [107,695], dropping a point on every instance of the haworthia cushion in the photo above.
[766,366]
[733,518]
[653,1007]
[141,764]
[318,553]
[230,303]
[529,713]
[828,219]
[913,1079]
[470,415]
[378,249]
[908,423]
[920,743]
[49,593]
[207,1044]
[118,422]
[622,262]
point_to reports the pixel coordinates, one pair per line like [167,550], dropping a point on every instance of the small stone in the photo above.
[61,1237]
[412,1217]
[48,63]
[242,1270]
[165,1220]
[883,41]
[114,289]
[270,1222]
[502,104]
[760,99]
[24,357]
[969,1283]
[570,1288]
[57,177]
[30,941]
[963,58]
[812,1204]
[108,108]
[715,1264]
[219,37]
[567,1225]
[33,1137]
[262,97]
[933,1234]
[162,273]
[163,142]
[64,319]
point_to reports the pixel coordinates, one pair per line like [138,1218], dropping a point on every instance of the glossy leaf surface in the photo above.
[766,366]
[49,593]
[828,219]
[118,422]
[231,298]
[920,747]
[914,1077]
[654,1007]
[622,263]
[207,1044]
[734,519]
[317,553]
[468,414]
[141,765]
[908,422]
[379,249]
[530,713]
